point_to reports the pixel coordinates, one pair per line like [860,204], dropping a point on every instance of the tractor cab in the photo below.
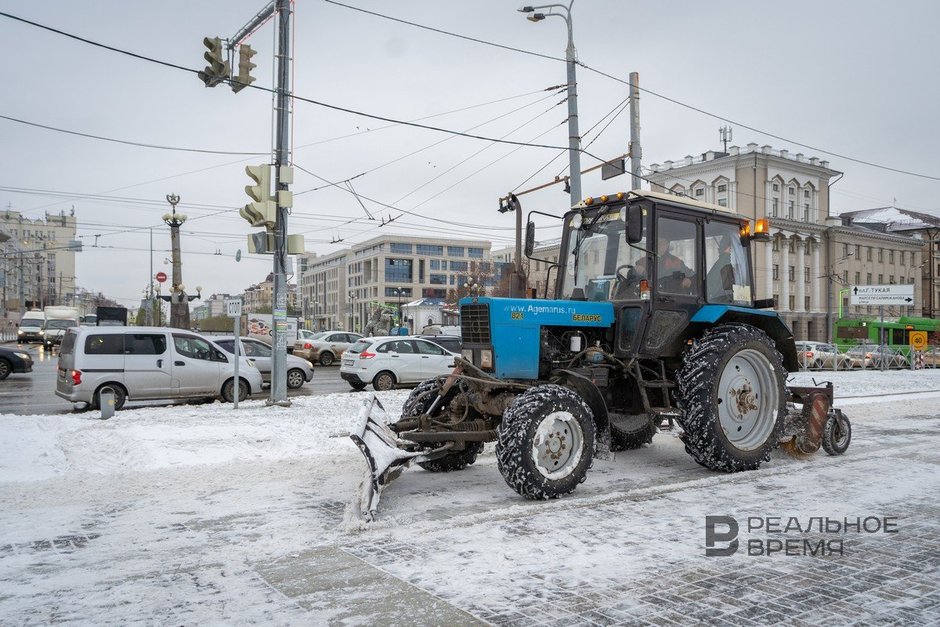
[659,260]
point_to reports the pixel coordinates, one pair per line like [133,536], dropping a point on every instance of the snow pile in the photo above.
[39,447]
[860,383]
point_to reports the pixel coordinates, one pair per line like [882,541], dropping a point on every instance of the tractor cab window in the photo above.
[599,261]
[676,257]
[727,279]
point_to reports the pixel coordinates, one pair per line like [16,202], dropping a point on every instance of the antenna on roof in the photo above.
[725,132]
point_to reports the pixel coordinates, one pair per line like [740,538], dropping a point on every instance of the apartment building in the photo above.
[40,254]
[812,258]
[339,291]
[259,298]
[541,271]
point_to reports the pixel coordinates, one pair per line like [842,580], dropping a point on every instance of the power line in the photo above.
[643,89]
[127,142]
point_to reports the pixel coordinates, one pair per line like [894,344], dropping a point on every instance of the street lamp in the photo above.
[398,291]
[574,138]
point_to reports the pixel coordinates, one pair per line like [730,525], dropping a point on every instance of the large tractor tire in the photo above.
[545,443]
[630,432]
[418,403]
[732,397]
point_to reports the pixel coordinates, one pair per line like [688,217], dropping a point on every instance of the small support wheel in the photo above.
[837,433]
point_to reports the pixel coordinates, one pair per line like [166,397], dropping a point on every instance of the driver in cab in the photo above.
[674,275]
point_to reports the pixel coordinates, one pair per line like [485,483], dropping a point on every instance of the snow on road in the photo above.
[203,514]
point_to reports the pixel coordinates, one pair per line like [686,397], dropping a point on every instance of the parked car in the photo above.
[452,343]
[389,360]
[13,360]
[148,363]
[820,355]
[299,370]
[872,356]
[327,348]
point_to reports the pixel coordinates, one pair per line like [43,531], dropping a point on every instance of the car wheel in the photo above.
[295,378]
[5,369]
[228,390]
[120,395]
[326,359]
[383,381]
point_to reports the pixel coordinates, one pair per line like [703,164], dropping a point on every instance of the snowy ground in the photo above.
[202,514]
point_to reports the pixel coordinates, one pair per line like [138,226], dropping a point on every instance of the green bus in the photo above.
[849,332]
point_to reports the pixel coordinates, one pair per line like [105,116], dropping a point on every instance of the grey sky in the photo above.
[856,78]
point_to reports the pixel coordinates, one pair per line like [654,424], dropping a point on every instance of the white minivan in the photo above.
[148,363]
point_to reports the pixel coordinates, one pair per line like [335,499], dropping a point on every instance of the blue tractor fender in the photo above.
[765,320]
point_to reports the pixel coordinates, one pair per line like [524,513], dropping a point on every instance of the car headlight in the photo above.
[42,333]
[486,359]
[22,355]
[20,332]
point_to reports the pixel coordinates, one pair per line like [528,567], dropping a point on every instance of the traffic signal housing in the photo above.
[245,66]
[263,210]
[218,69]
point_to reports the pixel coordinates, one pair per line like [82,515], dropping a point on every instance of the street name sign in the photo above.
[882,294]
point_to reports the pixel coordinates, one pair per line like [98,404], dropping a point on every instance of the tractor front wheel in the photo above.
[418,402]
[545,443]
[732,397]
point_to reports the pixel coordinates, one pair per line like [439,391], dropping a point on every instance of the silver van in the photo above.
[148,363]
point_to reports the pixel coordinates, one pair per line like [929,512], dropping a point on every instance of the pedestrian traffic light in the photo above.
[218,69]
[263,211]
[245,66]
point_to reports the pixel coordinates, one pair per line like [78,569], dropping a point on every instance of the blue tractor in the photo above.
[653,321]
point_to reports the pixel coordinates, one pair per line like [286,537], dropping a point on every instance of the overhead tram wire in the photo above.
[642,89]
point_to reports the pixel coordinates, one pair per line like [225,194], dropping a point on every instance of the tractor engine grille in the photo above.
[475,323]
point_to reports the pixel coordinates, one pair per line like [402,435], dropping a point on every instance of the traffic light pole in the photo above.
[281,162]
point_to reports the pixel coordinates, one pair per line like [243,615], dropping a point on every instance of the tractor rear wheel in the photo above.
[418,402]
[545,443]
[733,398]
[630,432]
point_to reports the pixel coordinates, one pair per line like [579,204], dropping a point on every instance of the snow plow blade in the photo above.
[386,455]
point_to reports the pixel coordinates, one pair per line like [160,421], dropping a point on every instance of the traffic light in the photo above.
[245,66]
[218,69]
[263,211]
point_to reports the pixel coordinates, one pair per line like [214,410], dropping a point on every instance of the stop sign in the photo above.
[161,276]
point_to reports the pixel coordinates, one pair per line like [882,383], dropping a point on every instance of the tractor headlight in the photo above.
[486,359]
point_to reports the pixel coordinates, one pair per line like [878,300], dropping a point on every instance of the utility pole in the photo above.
[281,163]
[636,151]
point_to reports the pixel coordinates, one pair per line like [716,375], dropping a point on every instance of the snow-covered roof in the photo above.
[896,219]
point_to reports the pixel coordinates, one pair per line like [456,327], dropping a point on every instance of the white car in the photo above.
[393,360]
[299,371]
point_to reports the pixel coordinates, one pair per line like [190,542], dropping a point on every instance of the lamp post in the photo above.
[179,300]
[574,138]
[398,292]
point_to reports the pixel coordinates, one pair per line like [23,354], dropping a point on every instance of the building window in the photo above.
[398,270]
[868,278]
[458,266]
[438,279]
[722,188]
[890,256]
[881,279]
[891,279]
[903,254]
[791,245]
[774,209]
[858,251]
[776,244]
[400,248]
[805,212]
[858,278]
[868,253]
[428,249]
[806,275]
[791,191]
[881,255]
[776,299]
[808,246]
[476,253]
[393,292]
[790,210]
[455,251]
[791,274]
[700,192]
[792,302]
[845,250]
[776,187]
[776,272]
[805,193]
[722,202]
[806,303]
[436,265]
[845,277]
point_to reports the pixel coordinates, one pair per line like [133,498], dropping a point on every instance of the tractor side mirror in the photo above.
[634,224]
[529,238]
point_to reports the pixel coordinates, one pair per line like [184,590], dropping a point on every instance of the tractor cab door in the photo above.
[677,281]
